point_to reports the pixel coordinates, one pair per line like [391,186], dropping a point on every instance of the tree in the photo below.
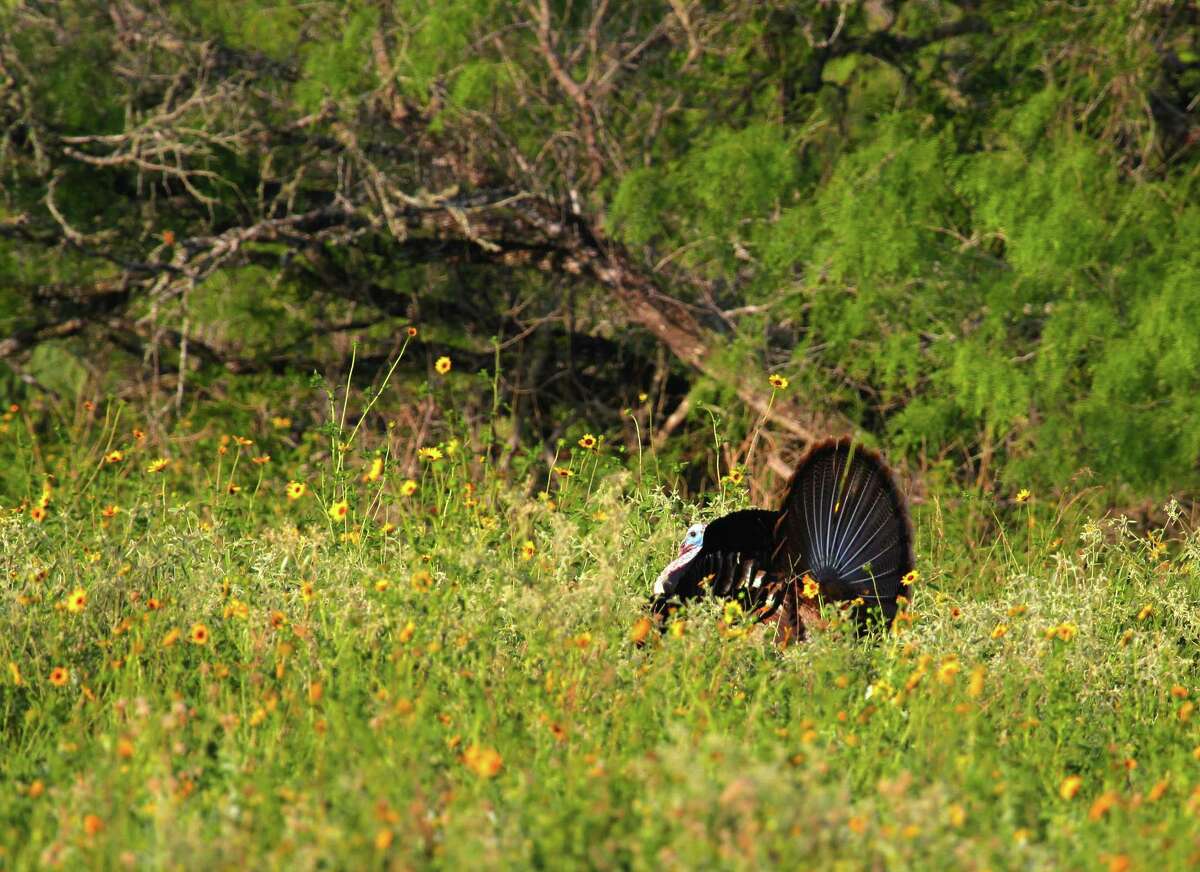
[943,221]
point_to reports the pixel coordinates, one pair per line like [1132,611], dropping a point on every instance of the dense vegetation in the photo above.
[255,653]
[363,362]
[966,231]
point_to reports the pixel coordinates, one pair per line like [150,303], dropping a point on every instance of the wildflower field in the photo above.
[245,643]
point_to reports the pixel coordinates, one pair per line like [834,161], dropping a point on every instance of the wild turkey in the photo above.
[843,525]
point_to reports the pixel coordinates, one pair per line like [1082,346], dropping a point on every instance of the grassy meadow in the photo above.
[243,643]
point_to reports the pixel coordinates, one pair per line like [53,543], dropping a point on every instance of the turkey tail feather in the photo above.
[844,522]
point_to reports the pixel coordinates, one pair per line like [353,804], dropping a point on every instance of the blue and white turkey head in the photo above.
[692,542]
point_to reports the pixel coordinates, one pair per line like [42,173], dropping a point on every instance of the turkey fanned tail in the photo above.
[845,524]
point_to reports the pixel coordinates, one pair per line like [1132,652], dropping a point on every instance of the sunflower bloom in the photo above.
[528,550]
[114,456]
[430,453]
[198,635]
[339,510]
[295,490]
[77,600]
[408,488]
[157,466]
[442,365]
[59,676]
[778,382]
[587,441]
[811,588]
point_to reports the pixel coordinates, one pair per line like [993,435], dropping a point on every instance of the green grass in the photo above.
[438,699]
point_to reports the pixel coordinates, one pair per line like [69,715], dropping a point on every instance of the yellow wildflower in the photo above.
[587,441]
[1070,786]
[732,612]
[157,465]
[375,470]
[442,365]
[430,453]
[339,510]
[1023,495]
[1102,805]
[975,687]
[408,488]
[948,670]
[528,550]
[77,600]
[295,490]
[777,381]
[484,762]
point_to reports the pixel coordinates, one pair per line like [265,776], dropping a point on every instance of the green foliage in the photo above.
[968,229]
[342,68]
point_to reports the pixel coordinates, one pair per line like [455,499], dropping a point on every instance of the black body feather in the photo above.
[736,546]
[843,522]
